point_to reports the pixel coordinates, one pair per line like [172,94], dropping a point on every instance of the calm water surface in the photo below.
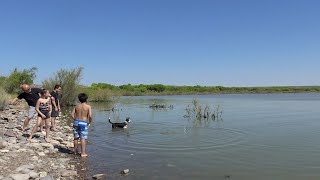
[267,136]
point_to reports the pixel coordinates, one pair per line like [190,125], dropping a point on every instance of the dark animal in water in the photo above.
[120,125]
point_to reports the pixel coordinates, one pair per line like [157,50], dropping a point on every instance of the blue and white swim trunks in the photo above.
[80,129]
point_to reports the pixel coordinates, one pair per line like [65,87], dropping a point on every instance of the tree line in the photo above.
[69,79]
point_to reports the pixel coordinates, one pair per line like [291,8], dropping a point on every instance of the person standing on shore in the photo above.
[31,95]
[44,109]
[55,106]
[82,117]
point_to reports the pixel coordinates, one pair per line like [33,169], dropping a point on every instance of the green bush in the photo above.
[98,94]
[69,80]
[4,98]
[12,83]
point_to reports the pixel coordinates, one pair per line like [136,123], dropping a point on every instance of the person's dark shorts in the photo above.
[54,113]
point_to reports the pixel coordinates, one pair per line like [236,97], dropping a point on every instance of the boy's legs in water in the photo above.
[83,148]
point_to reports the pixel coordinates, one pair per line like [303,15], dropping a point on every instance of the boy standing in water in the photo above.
[82,117]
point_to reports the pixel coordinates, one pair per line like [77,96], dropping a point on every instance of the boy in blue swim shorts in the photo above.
[82,117]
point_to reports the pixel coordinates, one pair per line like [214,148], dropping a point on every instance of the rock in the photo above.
[22,150]
[6,178]
[63,160]
[98,176]
[68,173]
[33,174]
[34,158]
[54,142]
[46,178]
[19,176]
[4,118]
[41,154]
[47,145]
[29,166]
[12,140]
[70,145]
[10,126]
[2,162]
[10,133]
[25,171]
[58,139]
[36,145]
[3,144]
[125,171]
[4,150]
[12,154]
[43,174]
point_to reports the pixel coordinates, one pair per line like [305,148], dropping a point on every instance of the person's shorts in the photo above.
[80,129]
[54,113]
[32,112]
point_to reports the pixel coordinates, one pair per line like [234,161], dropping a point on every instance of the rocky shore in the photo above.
[22,160]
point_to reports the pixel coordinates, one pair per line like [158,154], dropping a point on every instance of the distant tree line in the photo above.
[160,89]
[69,79]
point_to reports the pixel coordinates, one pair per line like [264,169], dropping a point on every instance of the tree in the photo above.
[16,78]
[69,79]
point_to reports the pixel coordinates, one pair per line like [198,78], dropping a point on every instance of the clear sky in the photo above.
[173,42]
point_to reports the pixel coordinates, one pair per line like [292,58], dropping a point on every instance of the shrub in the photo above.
[4,98]
[69,80]
[16,78]
[98,95]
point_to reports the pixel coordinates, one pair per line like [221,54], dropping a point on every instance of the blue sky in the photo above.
[176,42]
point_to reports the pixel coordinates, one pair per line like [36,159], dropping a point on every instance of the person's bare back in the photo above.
[82,112]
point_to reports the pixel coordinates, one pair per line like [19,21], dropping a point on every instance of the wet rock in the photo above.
[68,173]
[20,176]
[125,171]
[99,176]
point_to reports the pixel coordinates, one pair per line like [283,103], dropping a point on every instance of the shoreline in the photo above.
[20,159]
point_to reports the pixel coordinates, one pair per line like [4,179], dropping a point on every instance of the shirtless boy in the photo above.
[82,117]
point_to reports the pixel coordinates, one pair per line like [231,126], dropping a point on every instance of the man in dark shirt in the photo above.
[31,95]
[55,105]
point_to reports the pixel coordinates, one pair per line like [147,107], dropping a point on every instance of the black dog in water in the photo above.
[120,125]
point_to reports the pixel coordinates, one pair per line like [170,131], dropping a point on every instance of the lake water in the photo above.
[260,136]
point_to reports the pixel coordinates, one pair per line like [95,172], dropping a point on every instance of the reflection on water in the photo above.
[271,136]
